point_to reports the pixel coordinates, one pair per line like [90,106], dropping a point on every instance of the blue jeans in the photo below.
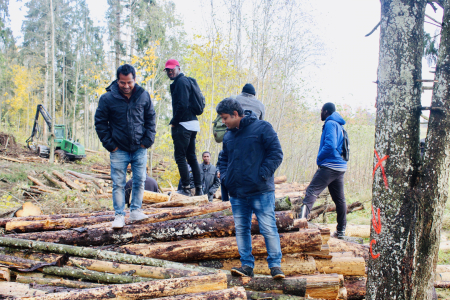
[263,206]
[119,163]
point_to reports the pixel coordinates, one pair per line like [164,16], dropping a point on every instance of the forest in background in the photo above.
[266,43]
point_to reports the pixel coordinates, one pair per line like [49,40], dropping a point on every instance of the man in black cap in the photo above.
[248,101]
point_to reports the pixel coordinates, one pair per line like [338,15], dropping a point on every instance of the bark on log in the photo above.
[42,189]
[337,245]
[152,197]
[301,223]
[51,217]
[356,287]
[442,284]
[59,184]
[280,179]
[291,265]
[316,286]
[35,181]
[96,235]
[101,171]
[349,266]
[223,248]
[81,175]
[98,254]
[107,266]
[66,180]
[58,282]
[272,296]
[181,200]
[237,293]
[332,207]
[144,290]
[282,204]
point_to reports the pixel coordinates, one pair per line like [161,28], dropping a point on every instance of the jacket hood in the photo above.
[113,88]
[336,117]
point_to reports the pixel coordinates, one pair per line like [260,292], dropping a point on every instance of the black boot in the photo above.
[198,191]
[186,190]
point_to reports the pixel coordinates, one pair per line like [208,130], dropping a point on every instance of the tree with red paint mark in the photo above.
[404,253]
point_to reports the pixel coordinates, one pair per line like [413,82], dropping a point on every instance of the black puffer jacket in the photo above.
[250,157]
[180,89]
[125,125]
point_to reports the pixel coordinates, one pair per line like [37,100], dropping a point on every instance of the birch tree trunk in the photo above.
[408,194]
[52,133]
[75,102]
[46,78]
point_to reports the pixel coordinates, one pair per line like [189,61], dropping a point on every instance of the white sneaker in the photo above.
[119,222]
[137,215]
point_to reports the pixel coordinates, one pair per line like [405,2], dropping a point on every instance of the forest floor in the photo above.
[13,181]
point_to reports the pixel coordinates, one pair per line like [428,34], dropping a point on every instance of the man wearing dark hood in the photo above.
[125,124]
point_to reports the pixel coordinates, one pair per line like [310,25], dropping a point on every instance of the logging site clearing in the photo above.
[57,243]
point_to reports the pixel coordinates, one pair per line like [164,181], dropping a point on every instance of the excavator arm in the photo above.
[40,109]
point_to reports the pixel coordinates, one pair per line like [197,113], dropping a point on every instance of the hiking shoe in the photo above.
[277,273]
[242,271]
[137,215]
[185,191]
[198,191]
[338,235]
[119,222]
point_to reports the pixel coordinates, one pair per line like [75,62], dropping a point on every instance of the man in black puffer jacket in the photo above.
[125,124]
[251,154]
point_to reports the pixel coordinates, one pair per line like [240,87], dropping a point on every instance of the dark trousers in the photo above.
[184,144]
[334,180]
[224,192]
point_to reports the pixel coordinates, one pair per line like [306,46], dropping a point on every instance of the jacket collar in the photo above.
[113,88]
[249,118]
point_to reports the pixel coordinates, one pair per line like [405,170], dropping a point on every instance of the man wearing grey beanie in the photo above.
[248,101]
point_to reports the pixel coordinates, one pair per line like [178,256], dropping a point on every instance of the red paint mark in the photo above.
[380,164]
[371,252]
[376,222]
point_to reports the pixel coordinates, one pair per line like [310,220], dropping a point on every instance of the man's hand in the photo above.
[218,174]
[142,146]
[172,125]
[115,150]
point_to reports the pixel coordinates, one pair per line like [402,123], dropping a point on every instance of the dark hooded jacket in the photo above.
[251,154]
[180,89]
[126,125]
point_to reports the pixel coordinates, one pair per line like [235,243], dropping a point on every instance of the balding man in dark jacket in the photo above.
[251,154]
[125,124]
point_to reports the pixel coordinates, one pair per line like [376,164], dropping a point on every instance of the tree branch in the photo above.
[375,28]
[433,19]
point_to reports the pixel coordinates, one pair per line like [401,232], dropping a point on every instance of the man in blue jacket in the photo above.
[125,124]
[251,154]
[331,170]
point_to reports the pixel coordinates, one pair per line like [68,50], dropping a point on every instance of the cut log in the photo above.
[13,290]
[145,290]
[317,211]
[66,180]
[348,266]
[42,189]
[280,179]
[182,201]
[59,184]
[323,253]
[223,248]
[58,282]
[29,209]
[443,276]
[5,274]
[35,181]
[237,293]
[59,216]
[301,223]
[361,231]
[272,296]
[100,234]
[356,287]
[291,265]
[442,284]
[316,286]
[101,171]
[107,266]
[152,197]
[442,268]
[282,204]
[342,294]
[12,159]
[97,254]
[337,245]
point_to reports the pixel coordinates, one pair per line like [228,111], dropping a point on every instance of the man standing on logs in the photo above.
[251,154]
[185,126]
[125,124]
[331,170]
[209,176]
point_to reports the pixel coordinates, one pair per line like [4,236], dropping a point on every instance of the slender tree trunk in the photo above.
[86,118]
[64,94]
[52,133]
[46,78]
[75,102]
[117,42]
[408,194]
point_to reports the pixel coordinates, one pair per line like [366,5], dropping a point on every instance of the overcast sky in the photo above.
[350,67]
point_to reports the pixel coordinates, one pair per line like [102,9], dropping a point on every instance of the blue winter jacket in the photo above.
[251,154]
[330,149]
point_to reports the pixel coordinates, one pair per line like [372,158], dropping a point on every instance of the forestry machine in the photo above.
[65,149]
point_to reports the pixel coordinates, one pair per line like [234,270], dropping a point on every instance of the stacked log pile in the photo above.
[184,250]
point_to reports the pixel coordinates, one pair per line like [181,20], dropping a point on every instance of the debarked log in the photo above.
[260,295]
[237,293]
[144,290]
[358,250]
[223,248]
[177,200]
[152,197]
[348,266]
[100,234]
[66,223]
